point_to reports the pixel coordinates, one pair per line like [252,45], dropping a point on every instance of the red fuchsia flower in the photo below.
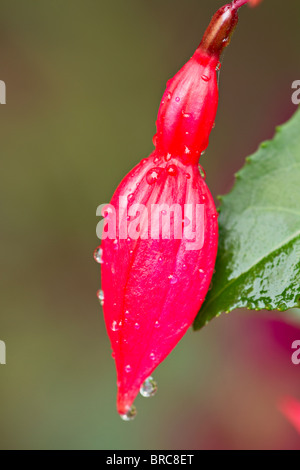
[160,230]
[290,408]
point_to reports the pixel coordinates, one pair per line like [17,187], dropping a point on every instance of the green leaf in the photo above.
[258,262]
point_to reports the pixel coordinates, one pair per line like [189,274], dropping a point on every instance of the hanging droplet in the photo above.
[149,388]
[98,255]
[130,415]
[153,175]
[100,295]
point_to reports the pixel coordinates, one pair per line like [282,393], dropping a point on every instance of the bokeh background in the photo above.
[84,80]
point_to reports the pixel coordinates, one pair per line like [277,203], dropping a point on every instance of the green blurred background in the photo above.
[84,80]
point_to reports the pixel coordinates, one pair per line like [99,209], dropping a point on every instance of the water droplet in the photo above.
[106,211]
[186,150]
[186,222]
[172,170]
[100,295]
[201,271]
[173,279]
[156,159]
[219,65]
[149,388]
[177,99]
[128,368]
[114,326]
[163,212]
[188,176]
[143,161]
[160,259]
[130,415]
[202,198]
[168,157]
[137,326]
[157,324]
[98,255]
[186,115]
[152,357]
[169,96]
[153,175]
[202,172]
[129,197]
[205,78]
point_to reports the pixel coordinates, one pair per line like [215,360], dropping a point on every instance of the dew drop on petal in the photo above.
[202,198]
[156,324]
[137,326]
[172,170]
[98,255]
[152,356]
[169,96]
[188,176]
[202,172]
[114,326]
[153,175]
[149,388]
[156,160]
[129,197]
[172,278]
[128,368]
[130,415]
[177,99]
[100,295]
[201,271]
[168,157]
[205,78]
